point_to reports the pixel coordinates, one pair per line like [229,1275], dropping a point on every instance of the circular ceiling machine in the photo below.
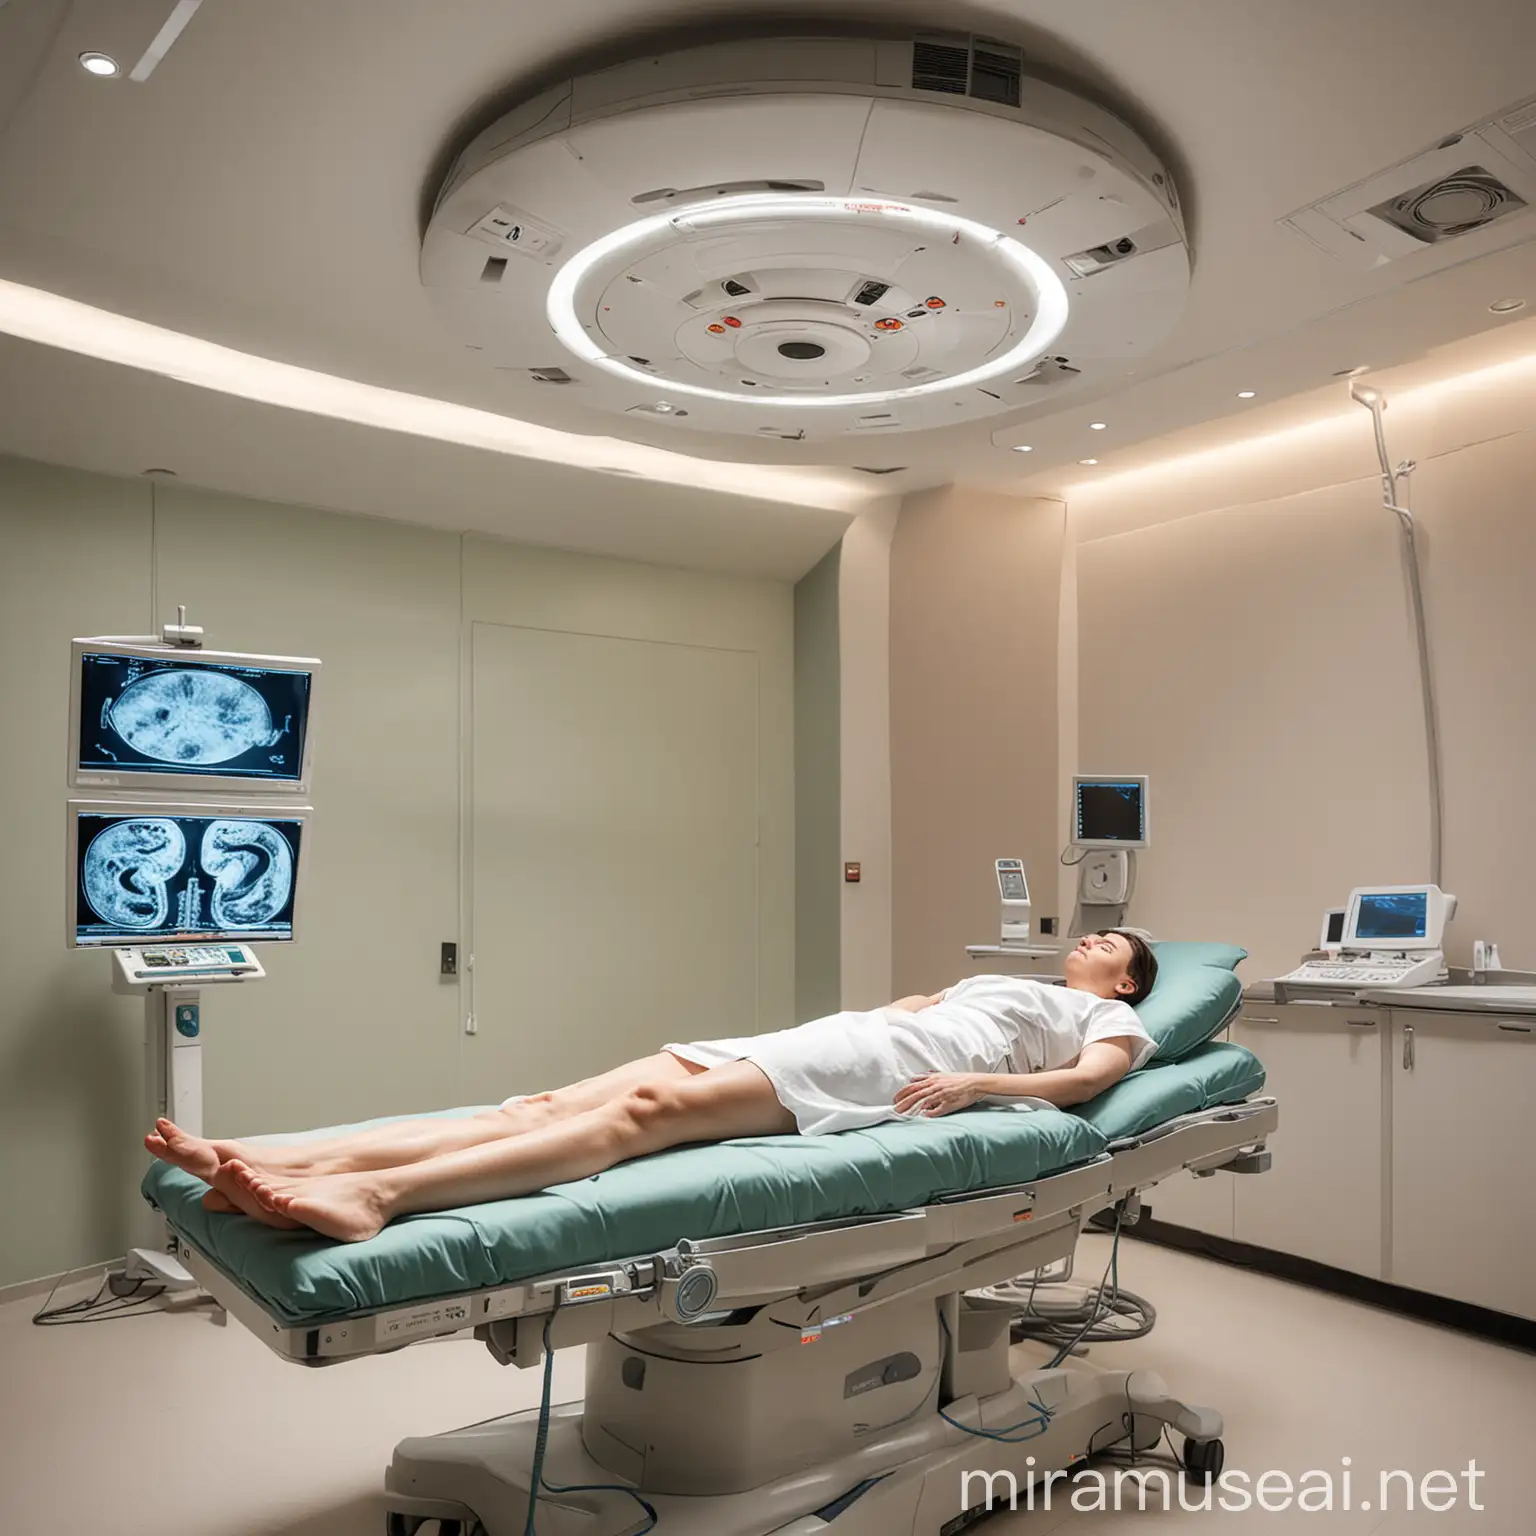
[812,239]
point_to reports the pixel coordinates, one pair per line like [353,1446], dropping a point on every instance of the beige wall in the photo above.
[354,1020]
[818,792]
[1245,638]
[864,656]
[975,597]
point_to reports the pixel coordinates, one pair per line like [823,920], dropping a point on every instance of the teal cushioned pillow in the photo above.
[1196,992]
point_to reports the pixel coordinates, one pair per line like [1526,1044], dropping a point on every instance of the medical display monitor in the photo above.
[153,717]
[1395,917]
[1110,811]
[172,873]
[1333,928]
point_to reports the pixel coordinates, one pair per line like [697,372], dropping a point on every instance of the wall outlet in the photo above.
[1047,926]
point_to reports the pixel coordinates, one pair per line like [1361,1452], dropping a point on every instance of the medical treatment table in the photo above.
[783,1333]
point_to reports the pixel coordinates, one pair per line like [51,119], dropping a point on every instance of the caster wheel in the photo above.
[1204,1459]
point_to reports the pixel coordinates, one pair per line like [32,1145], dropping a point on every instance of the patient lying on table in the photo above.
[987,1037]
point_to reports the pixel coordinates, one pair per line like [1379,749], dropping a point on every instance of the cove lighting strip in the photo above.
[49,319]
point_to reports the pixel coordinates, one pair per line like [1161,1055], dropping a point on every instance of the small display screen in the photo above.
[1110,812]
[144,878]
[1336,926]
[1393,915]
[179,717]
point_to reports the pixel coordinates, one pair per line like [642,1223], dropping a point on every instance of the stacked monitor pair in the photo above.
[197,764]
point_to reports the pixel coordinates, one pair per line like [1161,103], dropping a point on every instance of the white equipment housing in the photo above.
[807,239]
[1106,876]
[169,976]
[1013,894]
[151,720]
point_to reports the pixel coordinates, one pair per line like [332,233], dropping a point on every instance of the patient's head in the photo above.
[1113,964]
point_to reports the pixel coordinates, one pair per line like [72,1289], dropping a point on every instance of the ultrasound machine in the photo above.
[187,832]
[1387,936]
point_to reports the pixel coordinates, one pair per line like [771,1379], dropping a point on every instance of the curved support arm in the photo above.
[1391,500]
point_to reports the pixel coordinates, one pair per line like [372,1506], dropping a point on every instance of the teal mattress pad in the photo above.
[646,1206]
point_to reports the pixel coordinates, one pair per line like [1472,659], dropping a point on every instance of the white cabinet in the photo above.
[1322,1198]
[1463,1196]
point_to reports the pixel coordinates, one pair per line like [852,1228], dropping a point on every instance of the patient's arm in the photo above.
[1101,1065]
[917,1002]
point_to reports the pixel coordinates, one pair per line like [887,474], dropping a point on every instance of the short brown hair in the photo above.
[1142,967]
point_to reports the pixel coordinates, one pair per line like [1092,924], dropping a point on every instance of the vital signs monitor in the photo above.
[151,717]
[169,873]
[1110,811]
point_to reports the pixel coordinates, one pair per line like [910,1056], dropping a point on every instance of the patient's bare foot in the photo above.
[214,1201]
[233,1180]
[190,1153]
[347,1206]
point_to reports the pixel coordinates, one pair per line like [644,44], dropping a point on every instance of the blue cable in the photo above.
[541,1445]
[1042,1415]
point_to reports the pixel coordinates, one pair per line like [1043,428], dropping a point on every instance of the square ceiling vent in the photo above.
[1481,178]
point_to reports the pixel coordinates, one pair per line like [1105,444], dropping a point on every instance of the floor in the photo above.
[169,1424]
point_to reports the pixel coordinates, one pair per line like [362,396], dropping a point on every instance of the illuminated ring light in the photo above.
[1051,304]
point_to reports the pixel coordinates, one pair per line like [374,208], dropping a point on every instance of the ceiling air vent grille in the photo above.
[1451,205]
[968,66]
[940,65]
[996,69]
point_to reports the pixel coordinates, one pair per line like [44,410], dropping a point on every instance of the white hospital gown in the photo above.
[844,1071]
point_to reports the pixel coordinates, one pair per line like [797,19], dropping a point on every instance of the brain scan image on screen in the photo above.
[192,718]
[252,867]
[127,869]
[171,716]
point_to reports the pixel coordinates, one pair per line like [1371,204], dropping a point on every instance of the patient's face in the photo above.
[1101,963]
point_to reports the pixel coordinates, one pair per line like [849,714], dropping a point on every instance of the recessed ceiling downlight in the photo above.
[102,65]
[1506,306]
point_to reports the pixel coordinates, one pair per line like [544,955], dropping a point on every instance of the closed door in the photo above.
[1463,1202]
[1322,1197]
[613,853]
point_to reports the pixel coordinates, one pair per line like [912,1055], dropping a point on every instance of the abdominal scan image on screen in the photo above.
[176,715]
[146,878]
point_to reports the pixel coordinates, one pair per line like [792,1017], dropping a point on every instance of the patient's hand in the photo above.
[939,1093]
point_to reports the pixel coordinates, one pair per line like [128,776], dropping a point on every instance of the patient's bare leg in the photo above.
[732,1100]
[408,1141]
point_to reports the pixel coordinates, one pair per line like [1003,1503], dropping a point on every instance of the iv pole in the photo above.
[1392,499]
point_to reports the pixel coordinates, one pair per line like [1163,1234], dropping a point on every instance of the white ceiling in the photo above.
[266,187]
